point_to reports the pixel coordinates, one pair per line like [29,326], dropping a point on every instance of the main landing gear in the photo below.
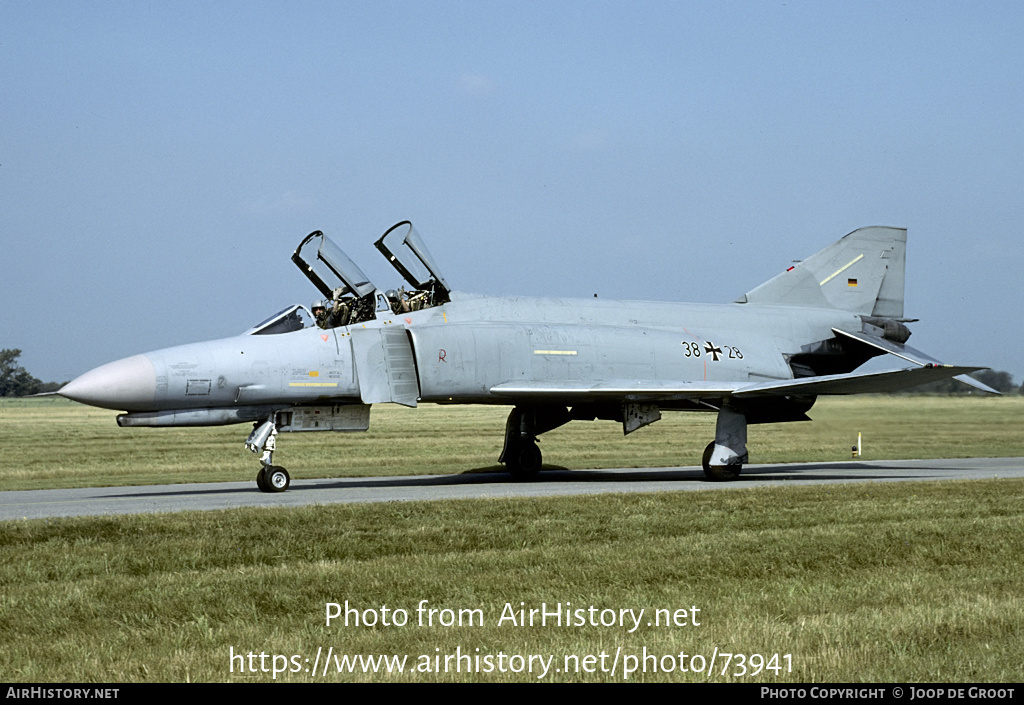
[724,457]
[523,460]
[722,461]
[521,455]
[270,478]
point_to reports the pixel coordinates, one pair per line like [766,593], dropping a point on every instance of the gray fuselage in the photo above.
[459,352]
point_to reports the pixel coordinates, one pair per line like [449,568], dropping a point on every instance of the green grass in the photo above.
[56,443]
[883,582]
[871,582]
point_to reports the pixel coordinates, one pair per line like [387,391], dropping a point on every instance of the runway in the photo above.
[99,501]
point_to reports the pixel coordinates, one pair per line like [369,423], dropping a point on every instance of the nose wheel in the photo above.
[273,478]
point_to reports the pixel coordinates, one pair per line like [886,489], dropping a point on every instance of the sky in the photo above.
[159,162]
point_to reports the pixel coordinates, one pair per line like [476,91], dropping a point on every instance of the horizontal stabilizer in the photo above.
[968,380]
[910,355]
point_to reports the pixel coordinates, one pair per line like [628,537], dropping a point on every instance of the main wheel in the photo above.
[275,479]
[718,473]
[525,460]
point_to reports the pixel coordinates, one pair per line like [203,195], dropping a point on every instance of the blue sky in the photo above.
[160,161]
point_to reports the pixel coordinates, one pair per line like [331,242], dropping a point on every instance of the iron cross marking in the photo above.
[713,351]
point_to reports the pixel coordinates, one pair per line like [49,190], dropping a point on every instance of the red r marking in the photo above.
[441,354]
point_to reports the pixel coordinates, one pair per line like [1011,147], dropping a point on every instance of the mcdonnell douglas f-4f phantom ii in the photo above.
[764,358]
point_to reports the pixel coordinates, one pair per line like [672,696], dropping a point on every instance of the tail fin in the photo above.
[862,273]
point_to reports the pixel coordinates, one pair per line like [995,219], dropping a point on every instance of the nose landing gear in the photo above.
[270,478]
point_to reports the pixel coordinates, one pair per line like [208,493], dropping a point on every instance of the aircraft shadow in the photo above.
[495,475]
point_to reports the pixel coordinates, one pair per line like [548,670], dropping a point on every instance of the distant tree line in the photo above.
[998,380]
[15,381]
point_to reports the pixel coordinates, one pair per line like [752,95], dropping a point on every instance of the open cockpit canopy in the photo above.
[406,251]
[350,296]
[329,268]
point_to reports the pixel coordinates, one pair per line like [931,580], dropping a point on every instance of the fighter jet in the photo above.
[764,358]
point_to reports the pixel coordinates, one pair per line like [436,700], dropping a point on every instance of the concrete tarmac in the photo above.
[98,501]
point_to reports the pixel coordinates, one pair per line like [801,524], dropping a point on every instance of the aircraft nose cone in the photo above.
[126,385]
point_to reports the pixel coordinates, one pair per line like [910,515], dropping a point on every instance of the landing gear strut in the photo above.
[270,478]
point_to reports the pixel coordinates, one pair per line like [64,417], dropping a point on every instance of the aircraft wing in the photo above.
[664,391]
[910,355]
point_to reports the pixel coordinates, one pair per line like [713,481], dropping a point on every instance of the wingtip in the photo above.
[970,381]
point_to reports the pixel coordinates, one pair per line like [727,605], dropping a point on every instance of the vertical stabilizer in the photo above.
[862,273]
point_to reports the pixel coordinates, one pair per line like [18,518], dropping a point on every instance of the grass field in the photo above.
[57,443]
[898,582]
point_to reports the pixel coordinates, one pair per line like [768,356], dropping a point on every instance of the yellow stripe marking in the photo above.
[839,271]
